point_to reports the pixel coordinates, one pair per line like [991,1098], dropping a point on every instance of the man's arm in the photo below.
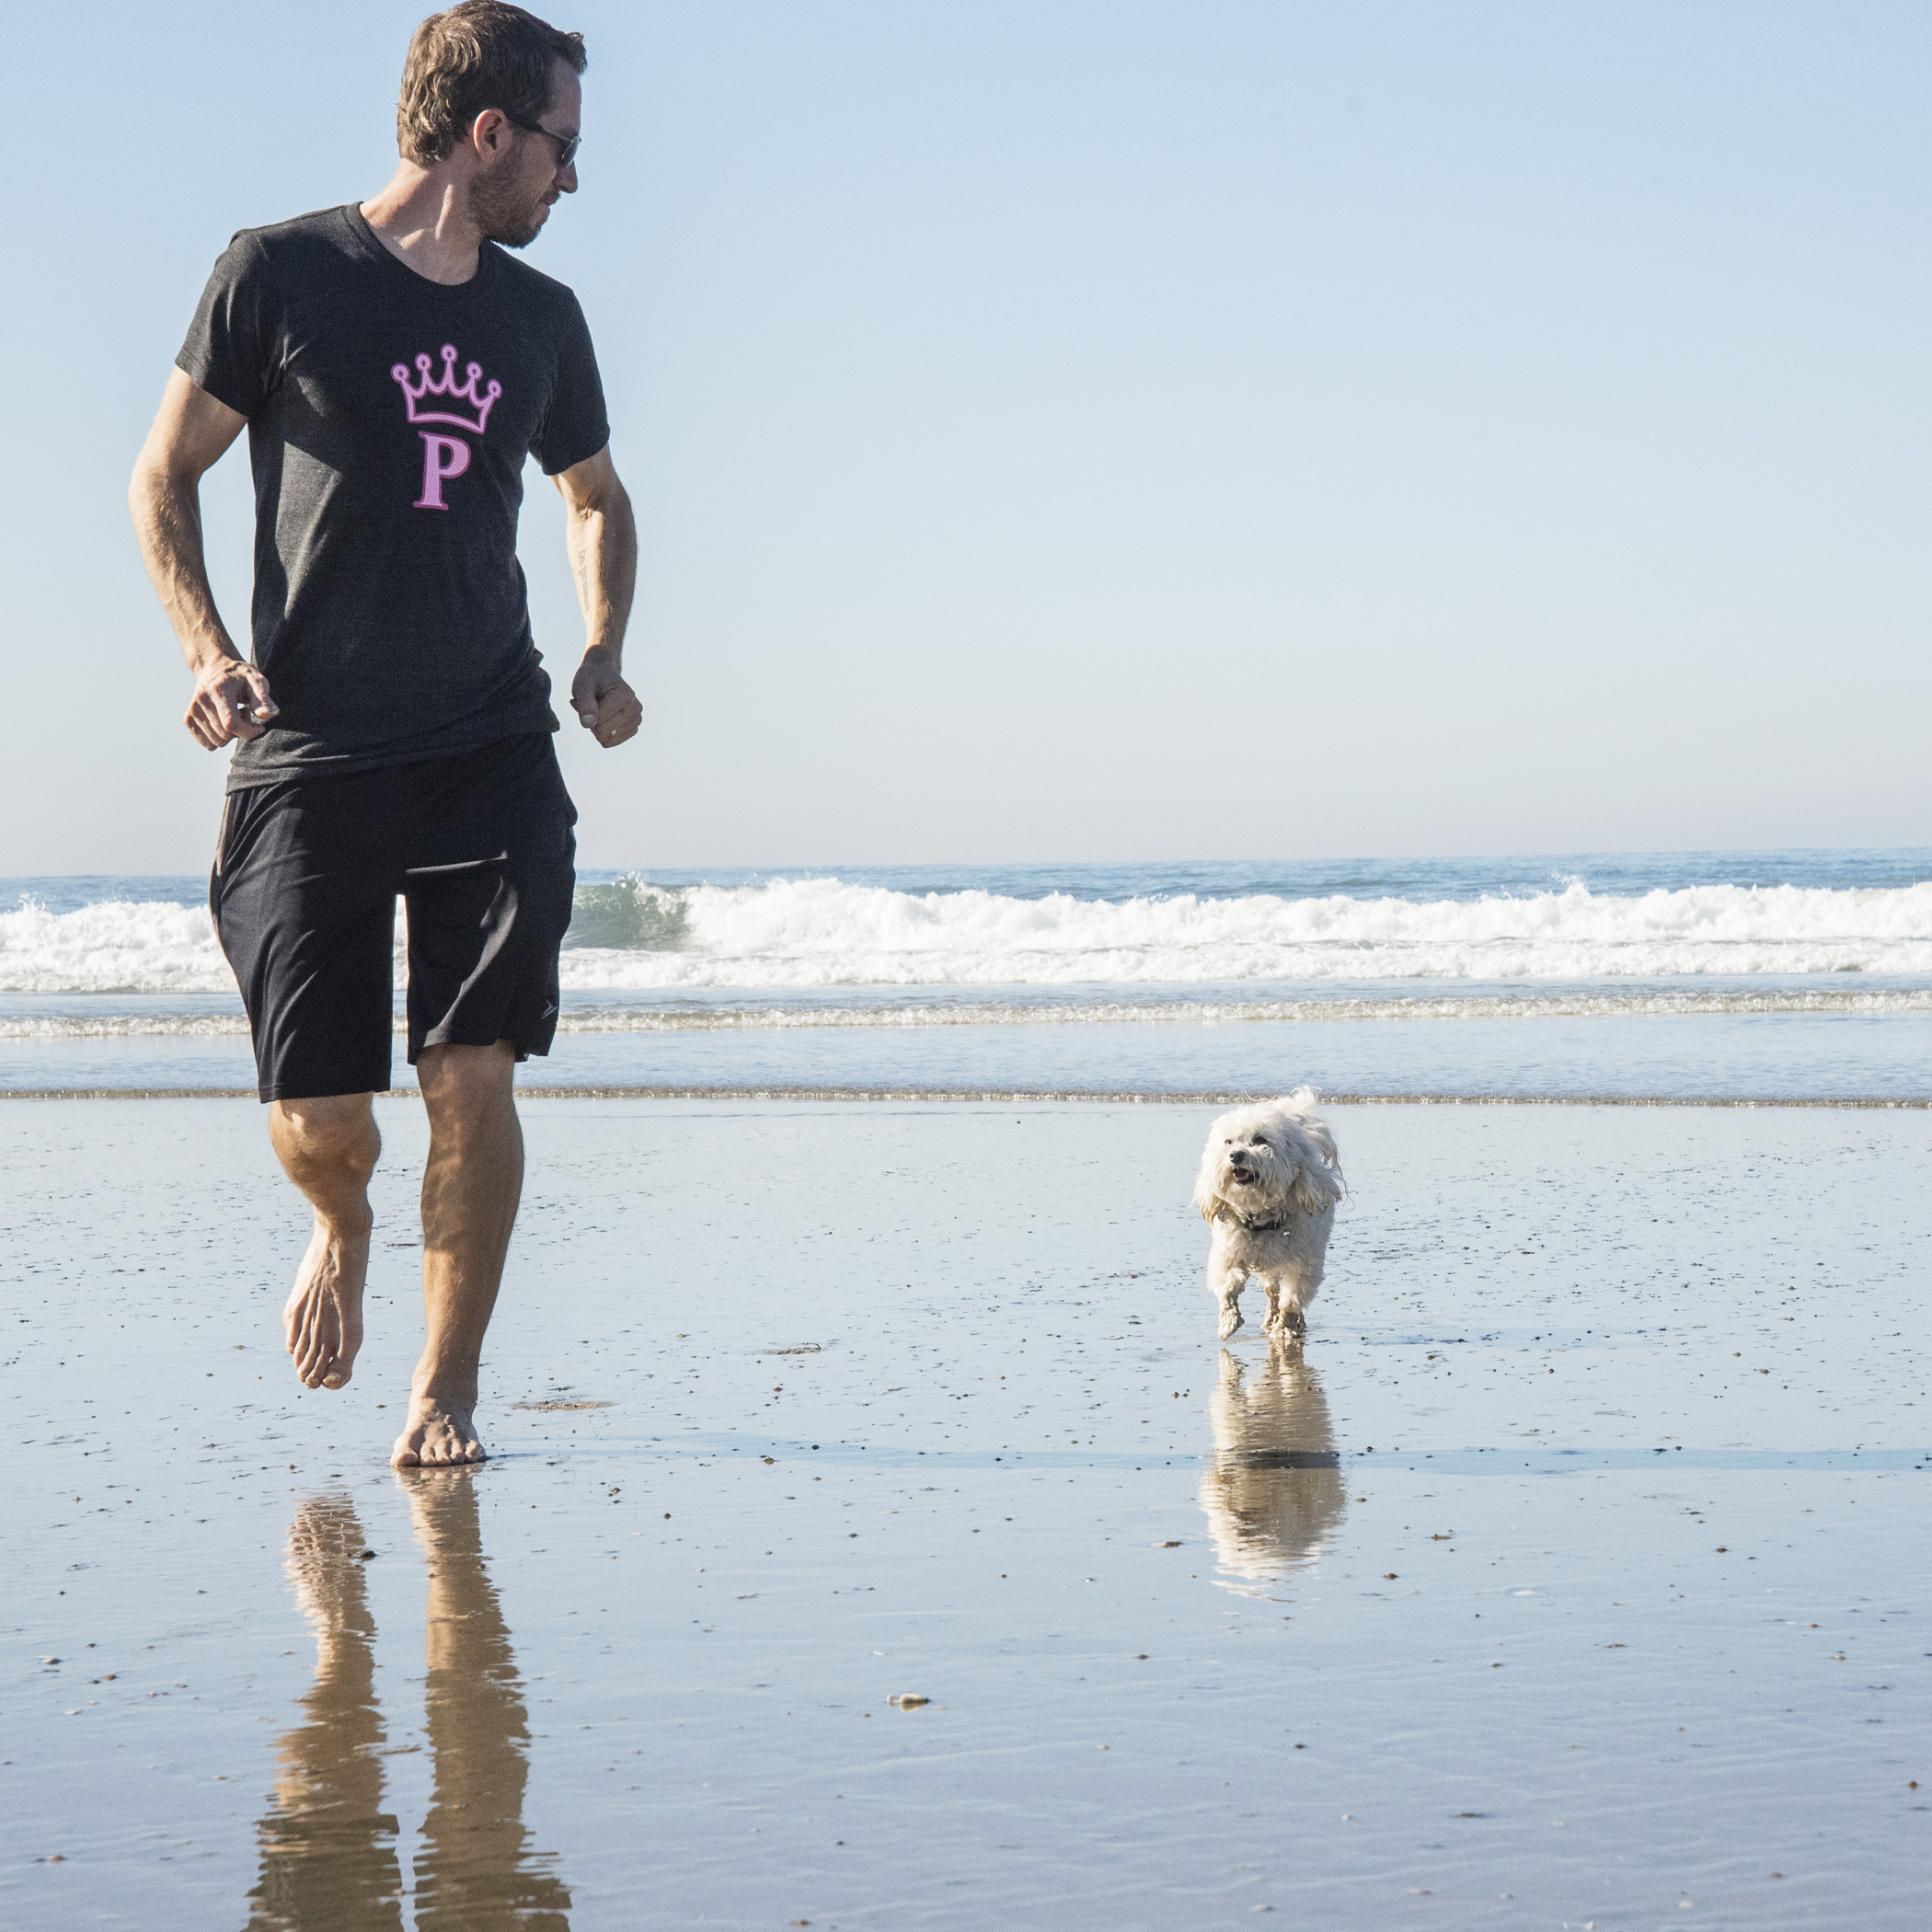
[602,536]
[190,436]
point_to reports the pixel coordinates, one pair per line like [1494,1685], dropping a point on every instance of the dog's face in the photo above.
[1262,1159]
[1249,1157]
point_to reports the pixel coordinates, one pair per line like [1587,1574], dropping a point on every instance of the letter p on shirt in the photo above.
[443,458]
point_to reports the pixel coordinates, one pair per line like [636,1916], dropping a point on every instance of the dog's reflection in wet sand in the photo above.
[1273,1493]
[330,1859]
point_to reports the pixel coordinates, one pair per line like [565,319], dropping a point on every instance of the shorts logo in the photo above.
[444,458]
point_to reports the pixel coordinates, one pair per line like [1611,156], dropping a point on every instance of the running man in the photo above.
[394,367]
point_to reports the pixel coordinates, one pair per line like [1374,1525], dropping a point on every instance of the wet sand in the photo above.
[1575,1571]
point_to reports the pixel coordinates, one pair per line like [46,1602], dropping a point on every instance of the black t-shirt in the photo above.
[389,418]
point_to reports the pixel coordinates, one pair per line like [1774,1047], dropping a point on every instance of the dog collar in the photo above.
[1253,1227]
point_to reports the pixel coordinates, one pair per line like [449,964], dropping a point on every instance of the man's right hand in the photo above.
[231,698]
[231,701]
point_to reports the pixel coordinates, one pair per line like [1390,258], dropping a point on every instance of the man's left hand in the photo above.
[605,705]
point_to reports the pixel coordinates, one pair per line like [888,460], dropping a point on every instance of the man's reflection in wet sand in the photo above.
[1273,1493]
[476,1870]
[327,1849]
[329,1852]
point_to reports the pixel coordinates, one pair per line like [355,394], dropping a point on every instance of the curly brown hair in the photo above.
[482,53]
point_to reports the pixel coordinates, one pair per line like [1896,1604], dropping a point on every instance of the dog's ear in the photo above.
[1313,1190]
[1206,1197]
[1299,1107]
[1317,1129]
[1317,1186]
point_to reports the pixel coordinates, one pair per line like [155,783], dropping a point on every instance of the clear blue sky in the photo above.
[1091,429]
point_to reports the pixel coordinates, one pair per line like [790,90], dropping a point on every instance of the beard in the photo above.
[504,215]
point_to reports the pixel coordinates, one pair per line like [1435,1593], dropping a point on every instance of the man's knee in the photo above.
[335,1130]
[461,1083]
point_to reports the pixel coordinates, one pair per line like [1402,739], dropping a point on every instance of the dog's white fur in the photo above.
[1269,1182]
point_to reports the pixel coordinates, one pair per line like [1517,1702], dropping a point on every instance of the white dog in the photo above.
[1267,1188]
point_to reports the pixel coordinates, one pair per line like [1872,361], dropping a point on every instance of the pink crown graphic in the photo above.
[445,384]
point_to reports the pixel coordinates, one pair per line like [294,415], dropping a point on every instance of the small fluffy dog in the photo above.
[1267,1188]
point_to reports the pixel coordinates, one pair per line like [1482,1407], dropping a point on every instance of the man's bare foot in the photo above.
[323,1321]
[438,1434]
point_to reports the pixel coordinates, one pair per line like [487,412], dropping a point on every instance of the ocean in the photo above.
[1699,975]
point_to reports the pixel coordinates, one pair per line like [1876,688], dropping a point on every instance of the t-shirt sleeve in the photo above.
[575,425]
[231,348]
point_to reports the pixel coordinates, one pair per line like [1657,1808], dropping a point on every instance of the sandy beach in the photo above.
[1574,1572]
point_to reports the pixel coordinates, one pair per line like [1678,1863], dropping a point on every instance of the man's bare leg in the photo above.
[328,1148]
[470,1189]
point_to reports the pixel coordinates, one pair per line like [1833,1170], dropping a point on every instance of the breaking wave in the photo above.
[118,945]
[822,933]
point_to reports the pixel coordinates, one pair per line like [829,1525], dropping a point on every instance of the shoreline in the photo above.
[1006,1097]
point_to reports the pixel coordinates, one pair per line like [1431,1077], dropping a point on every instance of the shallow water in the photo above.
[1574,1571]
[1885,1055]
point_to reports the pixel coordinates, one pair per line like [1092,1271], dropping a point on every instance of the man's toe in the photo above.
[310,1355]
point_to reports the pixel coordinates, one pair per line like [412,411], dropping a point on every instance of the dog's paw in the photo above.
[1230,1321]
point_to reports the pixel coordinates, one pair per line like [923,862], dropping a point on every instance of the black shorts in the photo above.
[307,874]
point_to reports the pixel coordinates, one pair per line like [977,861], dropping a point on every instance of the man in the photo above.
[394,367]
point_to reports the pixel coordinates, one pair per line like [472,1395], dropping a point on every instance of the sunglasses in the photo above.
[566,145]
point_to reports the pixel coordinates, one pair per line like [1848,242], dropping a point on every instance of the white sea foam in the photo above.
[1217,1013]
[120,945]
[822,933]
[155,1024]
[581,1016]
